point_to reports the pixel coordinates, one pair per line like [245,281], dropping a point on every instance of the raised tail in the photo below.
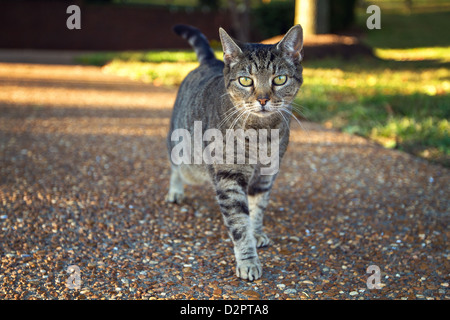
[197,40]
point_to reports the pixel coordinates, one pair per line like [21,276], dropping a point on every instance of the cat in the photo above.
[252,89]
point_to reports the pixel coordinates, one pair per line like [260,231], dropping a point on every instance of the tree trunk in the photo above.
[240,18]
[313,15]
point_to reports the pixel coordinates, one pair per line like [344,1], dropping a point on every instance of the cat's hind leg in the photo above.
[176,189]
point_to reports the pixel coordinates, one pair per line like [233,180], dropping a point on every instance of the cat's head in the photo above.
[263,78]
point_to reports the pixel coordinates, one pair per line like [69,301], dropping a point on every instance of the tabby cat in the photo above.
[253,88]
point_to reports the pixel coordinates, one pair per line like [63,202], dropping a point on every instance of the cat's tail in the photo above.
[197,40]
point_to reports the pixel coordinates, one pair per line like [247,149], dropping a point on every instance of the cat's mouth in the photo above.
[264,111]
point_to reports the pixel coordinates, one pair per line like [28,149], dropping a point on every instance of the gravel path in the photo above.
[84,172]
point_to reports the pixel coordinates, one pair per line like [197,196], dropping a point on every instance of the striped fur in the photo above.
[212,94]
[197,40]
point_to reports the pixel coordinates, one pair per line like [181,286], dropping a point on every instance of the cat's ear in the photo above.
[292,43]
[231,50]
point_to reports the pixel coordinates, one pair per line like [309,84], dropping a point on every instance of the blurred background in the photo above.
[390,85]
[146,24]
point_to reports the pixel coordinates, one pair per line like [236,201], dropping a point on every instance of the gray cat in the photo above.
[251,91]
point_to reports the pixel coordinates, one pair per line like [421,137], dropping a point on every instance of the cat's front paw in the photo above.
[262,240]
[175,197]
[249,269]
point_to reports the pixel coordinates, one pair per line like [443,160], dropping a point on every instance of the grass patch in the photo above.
[168,67]
[405,109]
[164,73]
[154,56]
[417,29]
[436,54]
[400,100]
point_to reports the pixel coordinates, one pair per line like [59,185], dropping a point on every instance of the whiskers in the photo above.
[247,110]
[230,113]
[244,110]
[238,112]
[283,108]
[299,109]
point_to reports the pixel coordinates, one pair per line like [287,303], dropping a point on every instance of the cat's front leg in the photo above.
[232,197]
[257,204]
[258,198]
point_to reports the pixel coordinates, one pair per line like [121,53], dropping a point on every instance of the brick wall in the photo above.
[42,25]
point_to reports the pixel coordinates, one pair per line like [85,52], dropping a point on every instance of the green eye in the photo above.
[245,81]
[279,80]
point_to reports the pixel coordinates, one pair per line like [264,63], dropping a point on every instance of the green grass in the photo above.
[401,99]
[167,67]
[163,73]
[155,56]
[420,28]
[401,108]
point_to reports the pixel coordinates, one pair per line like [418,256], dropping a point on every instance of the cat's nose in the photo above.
[263,101]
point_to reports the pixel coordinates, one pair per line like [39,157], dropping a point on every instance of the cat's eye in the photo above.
[245,81]
[279,80]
